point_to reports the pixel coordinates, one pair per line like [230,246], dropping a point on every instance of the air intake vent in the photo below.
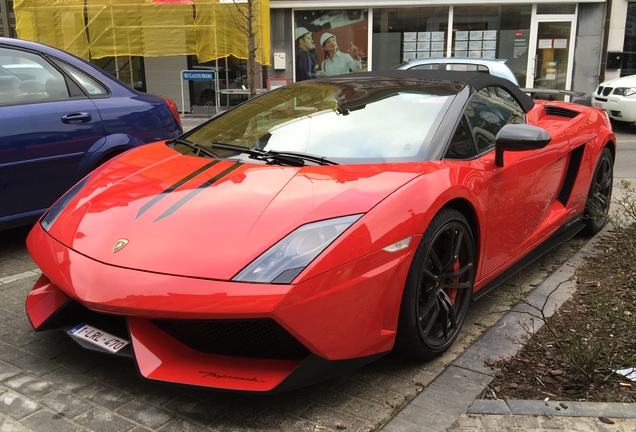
[253,338]
[570,177]
[560,112]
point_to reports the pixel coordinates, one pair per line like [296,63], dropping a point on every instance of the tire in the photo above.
[438,288]
[600,195]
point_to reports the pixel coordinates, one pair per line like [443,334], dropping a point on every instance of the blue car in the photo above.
[60,118]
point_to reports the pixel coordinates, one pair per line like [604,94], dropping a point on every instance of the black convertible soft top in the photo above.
[476,80]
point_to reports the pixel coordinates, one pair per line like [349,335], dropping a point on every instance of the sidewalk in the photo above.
[452,401]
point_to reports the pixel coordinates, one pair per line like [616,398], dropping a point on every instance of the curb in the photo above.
[456,390]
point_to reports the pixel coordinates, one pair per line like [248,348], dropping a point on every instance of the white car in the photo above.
[618,98]
[495,67]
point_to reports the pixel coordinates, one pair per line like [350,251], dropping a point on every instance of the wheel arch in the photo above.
[466,208]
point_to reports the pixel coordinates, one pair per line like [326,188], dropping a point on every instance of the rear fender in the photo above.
[105,148]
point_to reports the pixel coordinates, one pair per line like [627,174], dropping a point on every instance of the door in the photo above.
[45,133]
[552,53]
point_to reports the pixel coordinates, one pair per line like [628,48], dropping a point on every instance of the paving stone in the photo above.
[10,425]
[7,371]
[145,414]
[101,420]
[47,421]
[195,410]
[16,405]
[29,386]
[106,396]
[69,380]
[35,365]
[64,403]
[181,425]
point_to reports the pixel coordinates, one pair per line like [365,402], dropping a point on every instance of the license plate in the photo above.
[98,337]
[598,105]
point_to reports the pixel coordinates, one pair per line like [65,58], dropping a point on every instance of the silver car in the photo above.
[494,67]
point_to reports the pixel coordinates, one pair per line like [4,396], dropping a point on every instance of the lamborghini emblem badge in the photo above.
[120,244]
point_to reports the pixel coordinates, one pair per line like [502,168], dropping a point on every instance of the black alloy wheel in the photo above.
[600,195]
[438,289]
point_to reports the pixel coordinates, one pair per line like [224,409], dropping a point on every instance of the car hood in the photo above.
[207,218]
[627,81]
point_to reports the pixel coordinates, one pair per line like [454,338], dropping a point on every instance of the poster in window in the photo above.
[560,43]
[410,36]
[330,42]
[461,35]
[490,44]
[461,45]
[545,44]
[490,34]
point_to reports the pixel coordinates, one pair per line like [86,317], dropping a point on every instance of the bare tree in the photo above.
[247,19]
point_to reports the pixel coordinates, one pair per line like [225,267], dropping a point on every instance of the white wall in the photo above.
[163,78]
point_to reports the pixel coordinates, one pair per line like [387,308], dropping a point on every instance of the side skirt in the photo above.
[563,234]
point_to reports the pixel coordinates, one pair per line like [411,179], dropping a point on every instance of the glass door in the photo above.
[552,52]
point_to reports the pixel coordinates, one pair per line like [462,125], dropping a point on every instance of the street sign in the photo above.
[197,76]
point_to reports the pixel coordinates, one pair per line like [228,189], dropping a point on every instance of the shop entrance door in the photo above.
[553,57]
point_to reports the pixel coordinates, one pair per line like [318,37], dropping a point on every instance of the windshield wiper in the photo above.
[271,156]
[198,149]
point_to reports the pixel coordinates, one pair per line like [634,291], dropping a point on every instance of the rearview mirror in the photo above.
[519,137]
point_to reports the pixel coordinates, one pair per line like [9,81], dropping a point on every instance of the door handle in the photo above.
[75,118]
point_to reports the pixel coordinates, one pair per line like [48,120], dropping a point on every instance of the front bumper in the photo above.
[337,321]
[618,108]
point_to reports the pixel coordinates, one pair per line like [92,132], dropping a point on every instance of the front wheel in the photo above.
[438,288]
[600,194]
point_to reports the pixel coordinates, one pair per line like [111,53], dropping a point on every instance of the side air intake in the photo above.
[570,176]
[560,112]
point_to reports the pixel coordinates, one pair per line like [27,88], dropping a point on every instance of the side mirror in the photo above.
[519,137]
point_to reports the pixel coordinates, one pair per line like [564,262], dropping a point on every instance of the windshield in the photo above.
[345,122]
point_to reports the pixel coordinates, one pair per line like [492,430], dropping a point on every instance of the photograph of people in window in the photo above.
[330,42]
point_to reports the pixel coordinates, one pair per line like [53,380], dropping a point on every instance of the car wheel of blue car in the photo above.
[600,194]
[438,288]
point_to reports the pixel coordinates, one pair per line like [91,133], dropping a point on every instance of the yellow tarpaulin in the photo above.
[140,28]
[59,23]
[209,29]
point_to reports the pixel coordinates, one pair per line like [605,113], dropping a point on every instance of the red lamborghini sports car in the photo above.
[318,227]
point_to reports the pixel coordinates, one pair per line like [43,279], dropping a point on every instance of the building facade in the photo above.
[570,45]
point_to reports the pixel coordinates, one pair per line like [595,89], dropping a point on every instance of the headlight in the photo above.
[51,215]
[286,259]
[625,91]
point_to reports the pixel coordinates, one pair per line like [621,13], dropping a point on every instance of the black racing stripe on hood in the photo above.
[198,190]
[172,188]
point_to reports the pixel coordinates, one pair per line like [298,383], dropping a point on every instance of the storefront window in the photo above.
[125,68]
[493,32]
[549,8]
[330,42]
[401,34]
[232,76]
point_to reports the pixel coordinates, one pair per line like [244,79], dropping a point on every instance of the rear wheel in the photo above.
[600,194]
[438,287]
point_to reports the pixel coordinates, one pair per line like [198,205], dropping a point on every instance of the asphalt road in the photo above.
[48,383]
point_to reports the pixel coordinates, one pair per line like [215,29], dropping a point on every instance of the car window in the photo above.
[91,86]
[27,77]
[349,123]
[488,111]
[462,145]
[430,66]
[466,67]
